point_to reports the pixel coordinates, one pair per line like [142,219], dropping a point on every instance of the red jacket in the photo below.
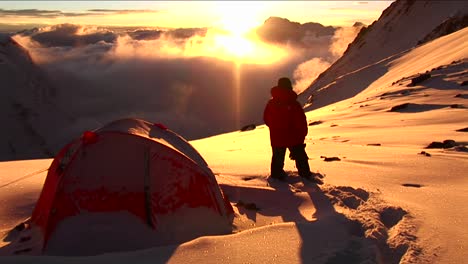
[285,118]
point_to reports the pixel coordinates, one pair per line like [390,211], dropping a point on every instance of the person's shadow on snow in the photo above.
[252,202]
[322,204]
[327,237]
[286,198]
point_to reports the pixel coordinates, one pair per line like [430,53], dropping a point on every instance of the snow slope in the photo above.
[400,27]
[386,199]
[27,106]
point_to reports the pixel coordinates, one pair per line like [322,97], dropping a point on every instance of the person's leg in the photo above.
[277,162]
[302,160]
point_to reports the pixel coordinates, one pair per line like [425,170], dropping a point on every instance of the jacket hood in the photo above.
[283,94]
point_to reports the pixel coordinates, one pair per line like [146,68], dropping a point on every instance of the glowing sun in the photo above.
[236,39]
[239,17]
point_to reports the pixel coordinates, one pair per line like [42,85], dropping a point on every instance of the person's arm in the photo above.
[301,120]
[267,114]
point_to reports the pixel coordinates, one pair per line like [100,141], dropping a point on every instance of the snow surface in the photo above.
[89,234]
[388,199]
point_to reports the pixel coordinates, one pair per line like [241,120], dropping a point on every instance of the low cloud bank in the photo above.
[169,76]
[309,70]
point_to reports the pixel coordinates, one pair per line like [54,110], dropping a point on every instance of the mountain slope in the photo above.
[400,27]
[32,122]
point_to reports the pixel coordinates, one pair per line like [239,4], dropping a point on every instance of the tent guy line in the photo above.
[24,177]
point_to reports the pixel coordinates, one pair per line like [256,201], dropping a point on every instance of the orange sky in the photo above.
[188,13]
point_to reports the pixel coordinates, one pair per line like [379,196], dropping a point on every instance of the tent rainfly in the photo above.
[128,185]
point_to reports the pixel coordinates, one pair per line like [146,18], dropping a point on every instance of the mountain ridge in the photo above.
[394,32]
[28,106]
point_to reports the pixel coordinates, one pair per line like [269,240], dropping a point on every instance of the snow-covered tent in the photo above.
[130,184]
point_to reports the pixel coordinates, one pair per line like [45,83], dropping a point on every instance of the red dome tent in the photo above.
[128,185]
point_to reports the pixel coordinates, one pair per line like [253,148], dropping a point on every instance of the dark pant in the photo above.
[297,153]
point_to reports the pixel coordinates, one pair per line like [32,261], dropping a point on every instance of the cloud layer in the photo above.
[169,76]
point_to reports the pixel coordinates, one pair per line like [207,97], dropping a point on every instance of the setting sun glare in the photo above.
[238,18]
[235,45]
[234,39]
[244,49]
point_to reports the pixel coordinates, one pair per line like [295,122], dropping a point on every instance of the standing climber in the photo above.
[287,122]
